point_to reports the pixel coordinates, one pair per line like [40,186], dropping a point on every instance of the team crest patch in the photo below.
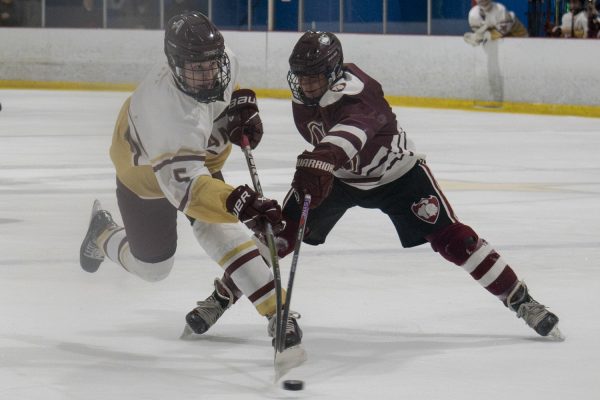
[317,131]
[427,209]
[339,87]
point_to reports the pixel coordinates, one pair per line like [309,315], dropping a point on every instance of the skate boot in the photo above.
[534,314]
[293,333]
[208,311]
[90,255]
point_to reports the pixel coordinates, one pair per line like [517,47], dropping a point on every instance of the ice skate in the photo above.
[534,314]
[90,255]
[293,333]
[208,311]
[293,353]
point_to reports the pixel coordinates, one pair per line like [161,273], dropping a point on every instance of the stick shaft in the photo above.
[270,243]
[290,286]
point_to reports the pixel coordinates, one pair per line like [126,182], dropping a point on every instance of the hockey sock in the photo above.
[488,268]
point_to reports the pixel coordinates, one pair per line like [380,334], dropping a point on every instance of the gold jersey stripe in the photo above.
[235,251]
[268,306]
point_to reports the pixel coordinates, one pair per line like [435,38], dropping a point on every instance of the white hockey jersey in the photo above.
[180,140]
[577,28]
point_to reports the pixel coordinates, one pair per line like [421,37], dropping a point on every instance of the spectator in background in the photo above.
[9,14]
[491,20]
[580,22]
[593,20]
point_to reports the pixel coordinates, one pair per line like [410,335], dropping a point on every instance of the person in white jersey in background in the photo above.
[490,20]
[170,142]
[580,22]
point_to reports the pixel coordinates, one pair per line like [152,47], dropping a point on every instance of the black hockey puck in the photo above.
[293,384]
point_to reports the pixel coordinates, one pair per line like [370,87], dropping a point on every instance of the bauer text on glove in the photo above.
[253,210]
[243,118]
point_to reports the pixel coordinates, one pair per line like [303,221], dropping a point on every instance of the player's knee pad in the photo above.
[150,272]
[455,242]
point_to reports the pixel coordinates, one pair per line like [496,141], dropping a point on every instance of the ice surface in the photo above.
[379,321]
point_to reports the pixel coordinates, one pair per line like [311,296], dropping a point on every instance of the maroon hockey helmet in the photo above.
[314,54]
[195,50]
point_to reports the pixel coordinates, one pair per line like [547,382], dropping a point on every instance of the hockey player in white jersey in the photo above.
[490,20]
[170,142]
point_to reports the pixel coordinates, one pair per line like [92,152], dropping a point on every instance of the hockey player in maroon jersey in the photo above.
[361,157]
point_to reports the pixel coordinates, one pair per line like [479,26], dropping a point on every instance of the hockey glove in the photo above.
[243,118]
[314,175]
[477,38]
[254,211]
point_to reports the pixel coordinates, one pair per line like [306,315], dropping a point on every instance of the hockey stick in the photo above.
[295,355]
[270,242]
[299,237]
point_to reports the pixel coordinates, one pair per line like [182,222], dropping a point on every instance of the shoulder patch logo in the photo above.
[338,87]
[427,209]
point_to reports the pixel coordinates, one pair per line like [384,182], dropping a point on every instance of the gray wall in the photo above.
[546,71]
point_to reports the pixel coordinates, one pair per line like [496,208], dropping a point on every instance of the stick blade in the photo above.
[288,359]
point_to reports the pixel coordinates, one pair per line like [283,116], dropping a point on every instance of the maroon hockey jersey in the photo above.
[354,115]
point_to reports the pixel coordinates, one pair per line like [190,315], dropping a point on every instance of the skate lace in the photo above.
[290,327]
[105,220]
[101,222]
[532,313]
[210,310]
[93,251]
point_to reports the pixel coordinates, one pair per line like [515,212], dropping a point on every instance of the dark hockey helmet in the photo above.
[315,53]
[195,50]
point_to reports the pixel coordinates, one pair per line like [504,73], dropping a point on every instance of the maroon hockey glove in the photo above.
[243,118]
[314,175]
[253,210]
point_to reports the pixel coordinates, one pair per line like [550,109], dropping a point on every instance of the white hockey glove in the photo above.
[477,38]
